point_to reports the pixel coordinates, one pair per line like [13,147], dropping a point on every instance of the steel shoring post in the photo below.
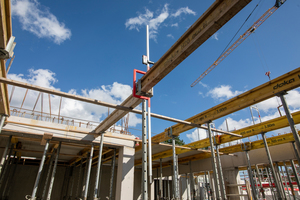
[3,159]
[251,176]
[160,179]
[260,183]
[285,183]
[113,163]
[192,185]
[88,174]
[12,178]
[290,180]
[3,175]
[3,117]
[53,172]
[295,173]
[175,165]
[98,167]
[187,185]
[280,180]
[40,171]
[8,179]
[101,169]
[296,152]
[168,184]
[214,165]
[223,190]
[256,184]
[48,175]
[79,178]
[290,120]
[144,156]
[279,192]
[206,185]
[85,175]
[271,184]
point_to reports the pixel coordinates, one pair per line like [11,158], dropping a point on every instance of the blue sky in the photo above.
[90,48]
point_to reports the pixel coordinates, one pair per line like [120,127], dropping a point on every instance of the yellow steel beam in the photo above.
[220,12]
[265,91]
[267,126]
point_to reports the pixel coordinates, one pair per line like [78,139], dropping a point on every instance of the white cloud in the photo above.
[185,10]
[115,93]
[215,36]
[235,125]
[155,22]
[197,134]
[170,36]
[223,91]
[40,22]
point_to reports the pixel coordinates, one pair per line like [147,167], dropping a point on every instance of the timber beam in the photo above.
[5,34]
[220,12]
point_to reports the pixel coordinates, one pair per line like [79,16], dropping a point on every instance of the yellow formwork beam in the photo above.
[288,81]
[272,141]
[267,126]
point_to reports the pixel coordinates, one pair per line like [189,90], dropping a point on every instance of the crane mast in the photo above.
[261,20]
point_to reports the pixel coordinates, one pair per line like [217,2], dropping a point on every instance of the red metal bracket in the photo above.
[134,84]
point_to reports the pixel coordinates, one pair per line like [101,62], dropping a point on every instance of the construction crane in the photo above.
[263,18]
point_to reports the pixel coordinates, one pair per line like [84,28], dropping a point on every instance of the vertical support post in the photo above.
[98,167]
[72,181]
[280,180]
[88,174]
[192,185]
[290,119]
[53,173]
[113,163]
[279,192]
[206,184]
[270,183]
[290,180]
[260,183]
[6,164]
[37,180]
[168,182]
[3,117]
[85,175]
[160,179]
[223,189]
[144,149]
[48,175]
[5,154]
[188,187]
[251,176]
[285,182]
[295,173]
[296,152]
[175,175]
[214,164]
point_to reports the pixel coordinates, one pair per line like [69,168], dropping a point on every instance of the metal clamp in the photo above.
[137,87]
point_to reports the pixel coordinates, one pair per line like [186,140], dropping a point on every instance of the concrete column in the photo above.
[125,174]
[232,177]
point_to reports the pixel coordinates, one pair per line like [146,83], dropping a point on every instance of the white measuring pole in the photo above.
[149,113]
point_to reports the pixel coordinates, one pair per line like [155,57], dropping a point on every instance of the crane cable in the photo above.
[240,28]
